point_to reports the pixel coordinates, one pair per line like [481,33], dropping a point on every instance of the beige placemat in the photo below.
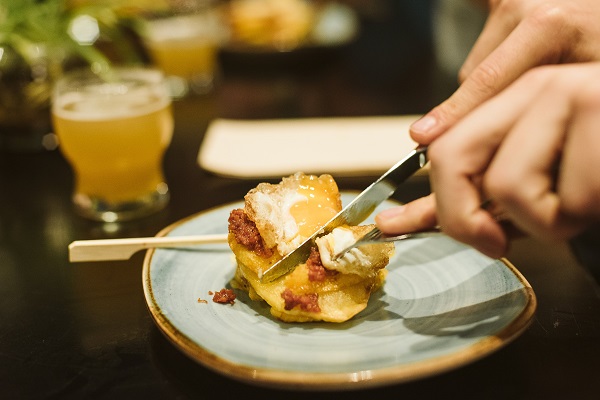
[274,148]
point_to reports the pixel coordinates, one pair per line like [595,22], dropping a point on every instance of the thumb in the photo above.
[417,215]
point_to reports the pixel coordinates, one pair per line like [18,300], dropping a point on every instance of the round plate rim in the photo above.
[331,381]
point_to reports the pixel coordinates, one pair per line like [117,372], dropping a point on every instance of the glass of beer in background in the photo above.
[183,41]
[113,130]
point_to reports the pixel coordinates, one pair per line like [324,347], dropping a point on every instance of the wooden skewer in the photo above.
[123,249]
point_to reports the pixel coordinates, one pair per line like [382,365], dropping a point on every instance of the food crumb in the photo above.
[224,296]
[202,301]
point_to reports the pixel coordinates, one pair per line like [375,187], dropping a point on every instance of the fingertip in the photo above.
[425,129]
[492,241]
[413,216]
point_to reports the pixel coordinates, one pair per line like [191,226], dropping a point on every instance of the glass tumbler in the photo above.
[113,129]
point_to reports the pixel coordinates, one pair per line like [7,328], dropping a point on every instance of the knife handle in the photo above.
[406,167]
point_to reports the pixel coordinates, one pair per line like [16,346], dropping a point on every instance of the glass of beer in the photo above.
[184,43]
[113,129]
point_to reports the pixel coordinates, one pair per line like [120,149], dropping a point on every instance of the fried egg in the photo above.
[288,213]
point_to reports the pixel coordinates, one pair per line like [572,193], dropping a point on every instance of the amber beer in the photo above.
[188,58]
[114,135]
[185,48]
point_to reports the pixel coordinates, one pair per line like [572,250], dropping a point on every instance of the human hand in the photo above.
[518,35]
[508,150]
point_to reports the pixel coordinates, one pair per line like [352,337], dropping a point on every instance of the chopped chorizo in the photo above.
[246,233]
[316,271]
[224,296]
[307,302]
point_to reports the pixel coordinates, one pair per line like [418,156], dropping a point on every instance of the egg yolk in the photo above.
[319,207]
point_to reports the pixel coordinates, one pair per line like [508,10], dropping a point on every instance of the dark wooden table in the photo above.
[72,331]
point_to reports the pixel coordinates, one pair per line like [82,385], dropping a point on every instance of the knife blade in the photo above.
[355,212]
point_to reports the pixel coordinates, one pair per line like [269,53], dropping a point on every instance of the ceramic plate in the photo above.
[443,305]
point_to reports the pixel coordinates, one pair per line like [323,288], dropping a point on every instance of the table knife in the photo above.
[355,212]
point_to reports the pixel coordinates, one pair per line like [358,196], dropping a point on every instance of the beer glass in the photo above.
[113,130]
[184,44]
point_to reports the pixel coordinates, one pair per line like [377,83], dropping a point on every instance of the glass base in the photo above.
[100,210]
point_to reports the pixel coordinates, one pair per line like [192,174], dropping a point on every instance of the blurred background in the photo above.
[239,58]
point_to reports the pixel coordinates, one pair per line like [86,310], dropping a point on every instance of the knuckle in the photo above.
[499,186]
[439,152]
[551,15]
[485,80]
[555,22]
[480,85]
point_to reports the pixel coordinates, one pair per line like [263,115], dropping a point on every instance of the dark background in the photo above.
[72,331]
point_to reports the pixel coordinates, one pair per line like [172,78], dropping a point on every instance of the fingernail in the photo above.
[390,213]
[424,124]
